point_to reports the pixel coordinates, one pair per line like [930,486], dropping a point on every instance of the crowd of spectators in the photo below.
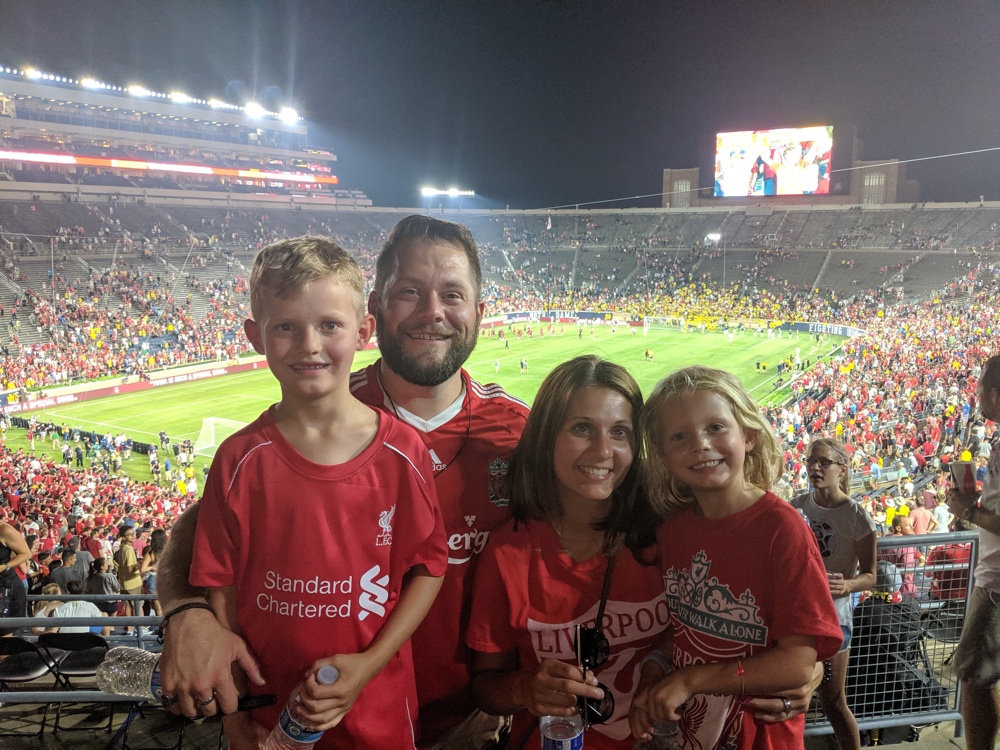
[897,395]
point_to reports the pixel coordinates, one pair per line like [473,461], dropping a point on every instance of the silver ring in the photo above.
[168,700]
[206,701]
[788,706]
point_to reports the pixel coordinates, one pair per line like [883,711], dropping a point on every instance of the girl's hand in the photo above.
[663,700]
[552,688]
[838,585]
[639,722]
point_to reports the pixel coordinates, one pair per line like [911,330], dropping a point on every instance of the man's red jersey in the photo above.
[469,445]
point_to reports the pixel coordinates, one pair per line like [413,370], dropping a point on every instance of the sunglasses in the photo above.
[592,650]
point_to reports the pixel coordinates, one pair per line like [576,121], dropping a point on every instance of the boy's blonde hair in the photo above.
[283,268]
[763,465]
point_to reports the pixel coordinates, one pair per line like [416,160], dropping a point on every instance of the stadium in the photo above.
[129,220]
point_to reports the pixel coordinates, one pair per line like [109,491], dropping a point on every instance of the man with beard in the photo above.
[427,306]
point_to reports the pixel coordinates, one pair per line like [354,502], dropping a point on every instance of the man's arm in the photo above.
[198,652]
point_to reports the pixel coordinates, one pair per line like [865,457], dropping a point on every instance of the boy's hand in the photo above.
[552,688]
[322,707]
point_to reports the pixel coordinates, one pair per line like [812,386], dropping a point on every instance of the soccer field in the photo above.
[180,409]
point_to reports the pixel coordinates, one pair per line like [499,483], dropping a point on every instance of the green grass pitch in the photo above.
[180,409]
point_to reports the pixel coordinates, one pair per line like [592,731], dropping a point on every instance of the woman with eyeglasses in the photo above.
[846,535]
[580,543]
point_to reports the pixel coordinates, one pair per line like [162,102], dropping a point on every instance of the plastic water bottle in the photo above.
[288,734]
[130,671]
[561,732]
[666,736]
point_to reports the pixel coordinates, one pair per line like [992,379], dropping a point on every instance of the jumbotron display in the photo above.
[782,161]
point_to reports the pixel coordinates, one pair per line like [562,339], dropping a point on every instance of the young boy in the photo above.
[320,535]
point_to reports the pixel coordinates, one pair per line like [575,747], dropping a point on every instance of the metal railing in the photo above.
[899,673]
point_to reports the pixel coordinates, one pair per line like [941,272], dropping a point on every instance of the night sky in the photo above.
[541,104]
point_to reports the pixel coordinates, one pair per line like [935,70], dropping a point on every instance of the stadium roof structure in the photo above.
[86,127]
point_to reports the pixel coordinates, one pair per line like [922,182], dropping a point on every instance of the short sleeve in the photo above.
[490,629]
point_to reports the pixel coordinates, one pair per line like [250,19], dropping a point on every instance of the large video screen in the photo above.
[782,161]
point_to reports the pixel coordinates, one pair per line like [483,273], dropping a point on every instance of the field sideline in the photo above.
[180,409]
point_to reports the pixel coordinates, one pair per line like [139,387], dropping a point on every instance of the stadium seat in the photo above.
[75,655]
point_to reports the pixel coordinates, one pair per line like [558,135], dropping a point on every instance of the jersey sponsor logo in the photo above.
[373,592]
[469,520]
[499,486]
[464,546]
[702,604]
[385,522]
[436,461]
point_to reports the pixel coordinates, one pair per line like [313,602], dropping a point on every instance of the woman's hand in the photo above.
[552,688]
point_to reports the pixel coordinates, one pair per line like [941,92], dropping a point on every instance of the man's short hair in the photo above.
[283,268]
[75,586]
[416,227]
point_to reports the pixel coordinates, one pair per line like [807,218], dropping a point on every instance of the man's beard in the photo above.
[428,373]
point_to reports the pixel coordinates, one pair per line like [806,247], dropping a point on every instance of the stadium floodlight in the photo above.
[32,73]
[91,83]
[180,97]
[713,237]
[253,110]
[136,90]
[432,192]
[288,116]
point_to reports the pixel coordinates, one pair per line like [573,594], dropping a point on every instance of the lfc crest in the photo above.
[498,483]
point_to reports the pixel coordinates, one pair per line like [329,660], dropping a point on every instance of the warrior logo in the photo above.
[499,487]
[385,521]
[374,593]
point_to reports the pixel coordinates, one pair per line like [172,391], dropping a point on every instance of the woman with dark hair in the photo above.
[103,581]
[577,553]
[147,566]
[13,552]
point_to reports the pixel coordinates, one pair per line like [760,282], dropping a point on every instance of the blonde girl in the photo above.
[845,533]
[749,606]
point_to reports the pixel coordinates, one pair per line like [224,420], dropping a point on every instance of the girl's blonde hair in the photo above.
[763,464]
[837,449]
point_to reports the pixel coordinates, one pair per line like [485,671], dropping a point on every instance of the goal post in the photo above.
[651,322]
[213,431]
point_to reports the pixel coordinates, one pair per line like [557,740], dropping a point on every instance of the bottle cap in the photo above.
[327,675]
